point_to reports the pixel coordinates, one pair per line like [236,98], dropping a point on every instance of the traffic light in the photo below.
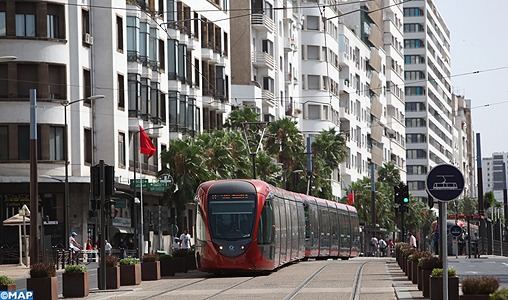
[396,193]
[430,200]
[109,180]
[405,194]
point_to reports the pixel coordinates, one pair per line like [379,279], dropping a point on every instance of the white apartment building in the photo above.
[464,150]
[157,63]
[494,179]
[429,120]
[265,57]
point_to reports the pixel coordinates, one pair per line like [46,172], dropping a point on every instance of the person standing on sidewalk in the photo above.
[373,245]
[412,240]
[185,240]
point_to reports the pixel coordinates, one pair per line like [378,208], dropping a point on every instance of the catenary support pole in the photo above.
[34,185]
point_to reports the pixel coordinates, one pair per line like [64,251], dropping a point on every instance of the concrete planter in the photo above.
[414,269]
[426,283]
[44,288]
[474,297]
[9,287]
[112,277]
[180,263]
[151,270]
[76,285]
[436,288]
[130,274]
[167,267]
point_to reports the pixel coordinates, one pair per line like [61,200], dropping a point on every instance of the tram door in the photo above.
[277,239]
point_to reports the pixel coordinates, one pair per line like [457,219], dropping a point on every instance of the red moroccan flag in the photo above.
[351,198]
[145,143]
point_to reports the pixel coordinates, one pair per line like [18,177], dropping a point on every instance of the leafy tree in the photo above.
[489,200]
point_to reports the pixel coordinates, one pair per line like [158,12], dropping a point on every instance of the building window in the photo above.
[4,142]
[56,138]
[413,43]
[134,94]
[52,27]
[413,12]
[196,72]
[28,78]
[144,40]
[172,59]
[132,38]
[313,82]
[313,52]
[87,86]
[85,25]
[313,23]
[119,33]
[57,82]
[267,46]
[121,92]
[314,112]
[174,98]
[23,142]
[121,149]
[162,56]
[88,146]
[2,24]
[25,25]
[182,66]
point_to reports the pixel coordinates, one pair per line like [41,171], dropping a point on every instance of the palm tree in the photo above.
[389,174]
[240,115]
[285,142]
[328,151]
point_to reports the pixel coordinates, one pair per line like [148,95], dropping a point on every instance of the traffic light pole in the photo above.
[102,209]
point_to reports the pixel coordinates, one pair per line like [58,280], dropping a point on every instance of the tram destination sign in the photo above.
[445,182]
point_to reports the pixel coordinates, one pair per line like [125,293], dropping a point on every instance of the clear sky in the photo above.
[479,42]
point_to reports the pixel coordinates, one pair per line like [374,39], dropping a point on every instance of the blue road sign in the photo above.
[445,182]
[455,230]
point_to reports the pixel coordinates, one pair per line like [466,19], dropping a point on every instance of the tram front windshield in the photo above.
[231,216]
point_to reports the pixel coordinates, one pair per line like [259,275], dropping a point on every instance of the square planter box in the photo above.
[75,285]
[180,264]
[130,274]
[426,282]
[44,288]
[167,267]
[112,277]
[414,269]
[10,287]
[474,297]
[436,288]
[191,262]
[151,270]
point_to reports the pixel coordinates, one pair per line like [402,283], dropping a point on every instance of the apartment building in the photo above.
[429,111]
[159,64]
[265,57]
[464,149]
[494,170]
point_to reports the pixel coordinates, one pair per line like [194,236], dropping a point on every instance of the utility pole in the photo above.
[34,184]
[481,208]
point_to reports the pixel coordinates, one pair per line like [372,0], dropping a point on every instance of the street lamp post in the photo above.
[141,234]
[66,158]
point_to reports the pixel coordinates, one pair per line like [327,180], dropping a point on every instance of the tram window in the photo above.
[266,226]
[231,219]
[307,225]
[200,226]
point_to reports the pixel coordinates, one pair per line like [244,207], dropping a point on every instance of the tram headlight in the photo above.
[221,247]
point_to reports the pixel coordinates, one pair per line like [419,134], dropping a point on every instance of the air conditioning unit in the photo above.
[88,39]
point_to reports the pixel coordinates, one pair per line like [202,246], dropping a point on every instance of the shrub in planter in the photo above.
[436,284]
[150,267]
[167,266]
[428,264]
[419,279]
[501,294]
[479,285]
[130,271]
[43,281]
[111,261]
[75,281]
[7,284]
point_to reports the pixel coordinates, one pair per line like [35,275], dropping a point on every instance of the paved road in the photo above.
[356,279]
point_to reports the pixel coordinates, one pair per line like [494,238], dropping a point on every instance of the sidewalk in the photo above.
[403,287]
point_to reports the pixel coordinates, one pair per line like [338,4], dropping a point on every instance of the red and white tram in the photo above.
[253,226]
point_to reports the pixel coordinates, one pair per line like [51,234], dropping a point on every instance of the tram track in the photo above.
[304,283]
[357,284]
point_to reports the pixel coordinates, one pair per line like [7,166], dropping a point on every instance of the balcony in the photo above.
[289,45]
[263,59]
[269,98]
[344,59]
[346,86]
[207,53]
[262,22]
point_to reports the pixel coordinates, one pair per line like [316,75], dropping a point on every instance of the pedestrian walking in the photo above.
[185,240]
[374,245]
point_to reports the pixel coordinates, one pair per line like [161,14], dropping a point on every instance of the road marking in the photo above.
[506,264]
[472,272]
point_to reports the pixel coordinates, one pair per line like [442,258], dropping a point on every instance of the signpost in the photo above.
[139,183]
[445,183]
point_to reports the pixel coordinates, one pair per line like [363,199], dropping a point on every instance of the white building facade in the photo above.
[429,120]
[157,63]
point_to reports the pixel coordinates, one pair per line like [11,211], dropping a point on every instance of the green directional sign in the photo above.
[139,183]
[120,203]
[157,187]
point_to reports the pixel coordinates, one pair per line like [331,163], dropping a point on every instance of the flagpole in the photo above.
[142,237]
